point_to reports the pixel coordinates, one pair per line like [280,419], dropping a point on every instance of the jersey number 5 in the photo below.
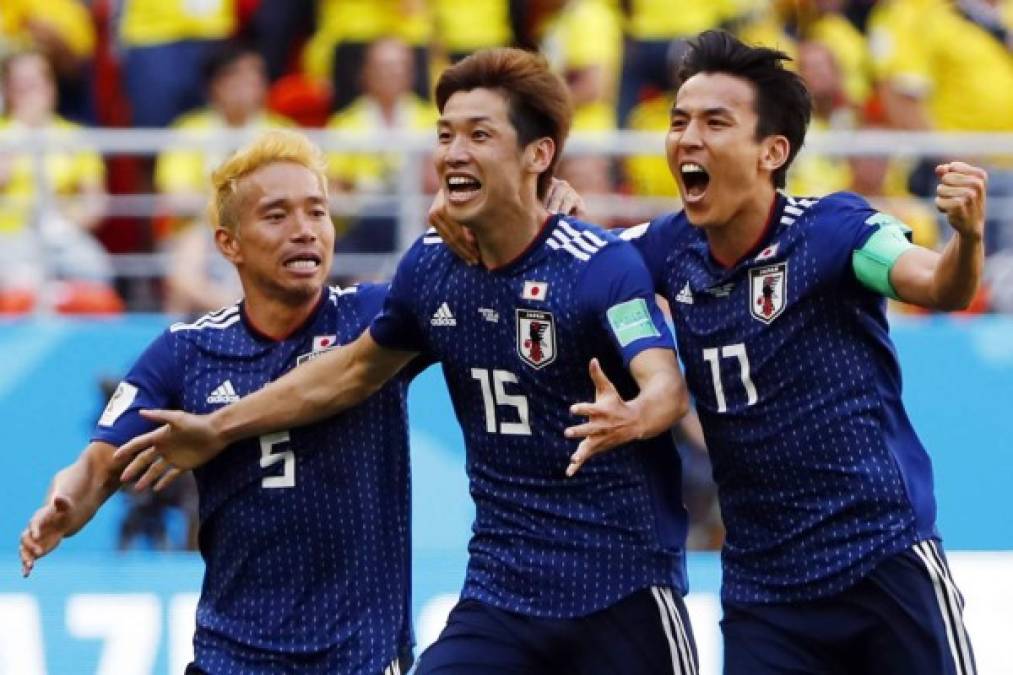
[272,452]
[713,357]
[494,394]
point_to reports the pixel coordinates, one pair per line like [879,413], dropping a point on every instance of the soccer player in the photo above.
[581,574]
[305,532]
[832,563]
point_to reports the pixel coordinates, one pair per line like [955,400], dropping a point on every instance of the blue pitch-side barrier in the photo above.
[86,607]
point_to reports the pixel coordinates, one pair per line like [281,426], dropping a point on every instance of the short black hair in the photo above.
[783,104]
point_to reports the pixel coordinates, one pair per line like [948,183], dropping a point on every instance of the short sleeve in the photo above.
[651,241]
[370,299]
[397,326]
[840,224]
[617,290]
[152,382]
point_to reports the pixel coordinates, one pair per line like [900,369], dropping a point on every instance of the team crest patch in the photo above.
[536,337]
[768,286]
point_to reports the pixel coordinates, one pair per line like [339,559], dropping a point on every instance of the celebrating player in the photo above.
[579,574]
[832,561]
[305,532]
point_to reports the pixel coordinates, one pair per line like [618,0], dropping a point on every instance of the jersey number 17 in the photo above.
[713,356]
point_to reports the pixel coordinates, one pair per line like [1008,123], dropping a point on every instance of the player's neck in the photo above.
[505,238]
[278,318]
[732,240]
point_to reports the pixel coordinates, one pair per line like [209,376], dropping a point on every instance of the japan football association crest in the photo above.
[536,337]
[768,287]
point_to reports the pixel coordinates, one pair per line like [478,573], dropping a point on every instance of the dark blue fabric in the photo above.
[890,622]
[820,473]
[544,544]
[305,533]
[628,637]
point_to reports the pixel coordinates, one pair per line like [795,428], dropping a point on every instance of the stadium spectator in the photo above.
[590,67]
[387,106]
[52,201]
[814,174]
[198,279]
[654,30]
[824,21]
[345,28]
[882,181]
[63,31]
[327,504]
[465,26]
[236,85]
[926,82]
[165,46]
[648,175]
[277,27]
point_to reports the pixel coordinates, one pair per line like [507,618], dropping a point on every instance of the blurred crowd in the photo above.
[366,67]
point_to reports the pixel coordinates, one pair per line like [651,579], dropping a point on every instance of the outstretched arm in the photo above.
[74,496]
[333,382]
[663,400]
[948,281]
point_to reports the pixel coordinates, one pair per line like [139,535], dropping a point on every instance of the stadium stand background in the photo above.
[115,110]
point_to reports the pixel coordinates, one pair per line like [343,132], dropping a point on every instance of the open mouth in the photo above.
[304,262]
[461,187]
[695,179]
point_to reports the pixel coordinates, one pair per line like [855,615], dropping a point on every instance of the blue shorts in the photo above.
[646,633]
[905,618]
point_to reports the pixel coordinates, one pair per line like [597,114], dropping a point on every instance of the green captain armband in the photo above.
[872,263]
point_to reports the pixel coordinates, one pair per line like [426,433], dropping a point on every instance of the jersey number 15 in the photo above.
[494,396]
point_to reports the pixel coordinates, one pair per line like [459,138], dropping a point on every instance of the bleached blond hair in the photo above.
[276,145]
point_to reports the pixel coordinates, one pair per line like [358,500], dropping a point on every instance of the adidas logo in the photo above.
[224,393]
[443,317]
[685,296]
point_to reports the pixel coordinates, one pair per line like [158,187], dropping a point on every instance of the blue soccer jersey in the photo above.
[796,382]
[515,343]
[305,532]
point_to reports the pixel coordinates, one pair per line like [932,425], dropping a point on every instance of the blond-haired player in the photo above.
[304,531]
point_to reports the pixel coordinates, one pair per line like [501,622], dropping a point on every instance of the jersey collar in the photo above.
[547,227]
[773,217]
[264,337]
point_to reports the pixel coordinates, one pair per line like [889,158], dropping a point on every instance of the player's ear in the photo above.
[538,155]
[227,242]
[774,152]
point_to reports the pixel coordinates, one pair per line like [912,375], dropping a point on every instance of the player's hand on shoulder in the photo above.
[184,441]
[46,529]
[611,421]
[562,198]
[961,195]
[458,238]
